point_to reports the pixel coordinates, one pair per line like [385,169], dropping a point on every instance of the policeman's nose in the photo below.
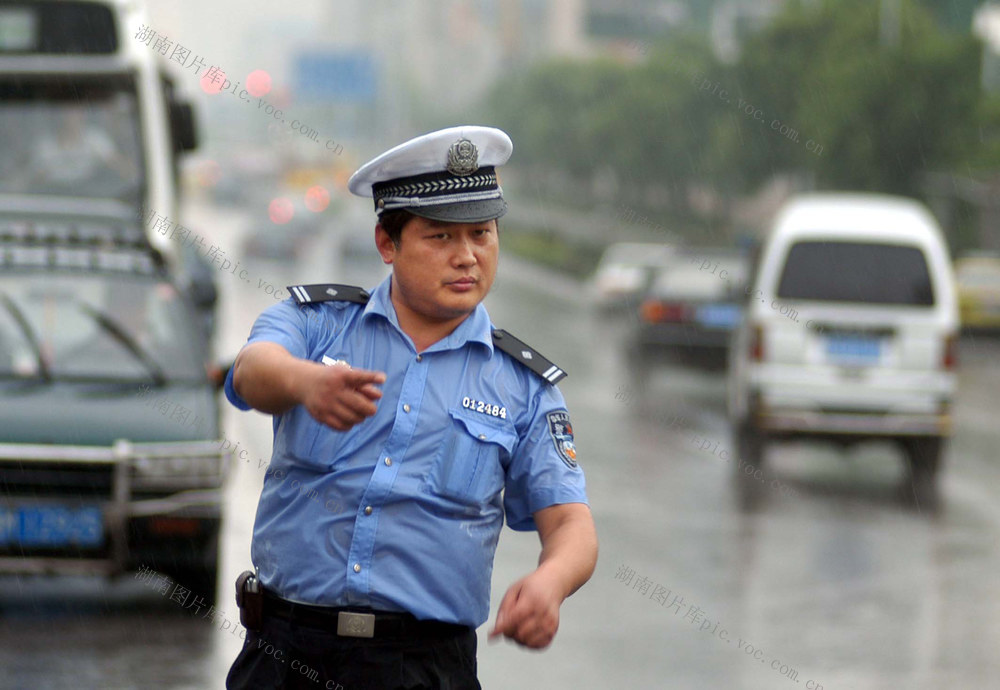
[464,256]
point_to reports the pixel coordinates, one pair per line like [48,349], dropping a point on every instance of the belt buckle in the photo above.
[350,624]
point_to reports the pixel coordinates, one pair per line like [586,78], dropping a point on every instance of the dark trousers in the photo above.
[286,654]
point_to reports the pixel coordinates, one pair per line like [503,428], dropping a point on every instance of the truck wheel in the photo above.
[202,577]
[749,443]
[202,582]
[640,368]
[924,457]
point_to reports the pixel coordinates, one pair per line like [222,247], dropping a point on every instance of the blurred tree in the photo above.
[646,125]
[816,91]
[881,113]
[553,111]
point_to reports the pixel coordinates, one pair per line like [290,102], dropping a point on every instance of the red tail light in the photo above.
[756,344]
[654,311]
[949,360]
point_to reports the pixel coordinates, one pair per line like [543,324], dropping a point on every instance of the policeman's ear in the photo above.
[385,244]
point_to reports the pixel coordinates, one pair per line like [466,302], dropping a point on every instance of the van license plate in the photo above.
[51,526]
[853,350]
[726,316]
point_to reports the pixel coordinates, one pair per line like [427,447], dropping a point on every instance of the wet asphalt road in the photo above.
[831,580]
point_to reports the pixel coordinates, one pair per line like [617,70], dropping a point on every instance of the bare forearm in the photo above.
[269,378]
[569,548]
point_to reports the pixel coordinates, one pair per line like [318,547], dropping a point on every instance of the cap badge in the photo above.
[463,158]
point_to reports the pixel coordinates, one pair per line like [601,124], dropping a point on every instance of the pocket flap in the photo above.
[486,429]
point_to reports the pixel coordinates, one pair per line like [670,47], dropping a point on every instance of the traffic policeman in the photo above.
[406,429]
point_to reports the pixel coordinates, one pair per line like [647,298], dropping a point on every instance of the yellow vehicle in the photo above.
[978,279]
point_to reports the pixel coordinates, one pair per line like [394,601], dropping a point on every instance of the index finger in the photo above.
[504,622]
[359,377]
[500,627]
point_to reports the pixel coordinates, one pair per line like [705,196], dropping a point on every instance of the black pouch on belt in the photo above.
[250,599]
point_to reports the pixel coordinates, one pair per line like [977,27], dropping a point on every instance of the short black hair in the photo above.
[393,223]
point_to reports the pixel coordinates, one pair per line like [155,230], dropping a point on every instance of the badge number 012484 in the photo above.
[484,407]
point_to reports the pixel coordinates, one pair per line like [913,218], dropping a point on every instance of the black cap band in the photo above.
[435,189]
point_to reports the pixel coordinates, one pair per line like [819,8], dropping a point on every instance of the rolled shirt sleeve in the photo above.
[544,470]
[285,324]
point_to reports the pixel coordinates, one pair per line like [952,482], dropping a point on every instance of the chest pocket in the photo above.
[468,468]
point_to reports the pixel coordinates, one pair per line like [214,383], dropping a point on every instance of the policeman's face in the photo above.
[441,271]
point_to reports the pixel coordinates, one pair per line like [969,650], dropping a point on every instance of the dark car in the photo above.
[110,458]
[690,310]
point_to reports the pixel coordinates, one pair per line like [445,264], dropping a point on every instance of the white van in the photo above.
[850,332]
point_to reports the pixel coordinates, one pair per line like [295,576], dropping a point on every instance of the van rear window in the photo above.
[836,271]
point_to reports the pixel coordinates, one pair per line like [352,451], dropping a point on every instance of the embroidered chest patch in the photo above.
[561,431]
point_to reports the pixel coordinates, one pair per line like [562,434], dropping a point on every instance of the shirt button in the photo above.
[388,462]
[482,437]
[420,358]
[357,567]
[406,408]
[368,510]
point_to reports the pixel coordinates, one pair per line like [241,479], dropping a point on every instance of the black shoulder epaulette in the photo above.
[328,292]
[527,356]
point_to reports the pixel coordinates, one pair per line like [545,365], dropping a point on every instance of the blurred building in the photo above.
[364,72]
[376,66]
[447,55]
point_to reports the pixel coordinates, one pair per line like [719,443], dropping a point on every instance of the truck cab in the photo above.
[89,117]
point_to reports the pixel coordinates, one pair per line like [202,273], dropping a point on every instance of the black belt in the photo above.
[358,622]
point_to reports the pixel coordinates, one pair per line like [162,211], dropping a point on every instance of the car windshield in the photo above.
[70,138]
[95,328]
[862,272]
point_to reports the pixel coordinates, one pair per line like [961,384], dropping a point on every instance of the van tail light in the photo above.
[756,344]
[949,360]
[655,311]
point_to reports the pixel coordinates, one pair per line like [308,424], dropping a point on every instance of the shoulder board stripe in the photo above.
[553,374]
[328,292]
[527,356]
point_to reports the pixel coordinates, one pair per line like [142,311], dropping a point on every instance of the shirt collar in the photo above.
[476,328]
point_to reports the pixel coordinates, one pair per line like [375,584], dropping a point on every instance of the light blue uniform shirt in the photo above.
[403,511]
